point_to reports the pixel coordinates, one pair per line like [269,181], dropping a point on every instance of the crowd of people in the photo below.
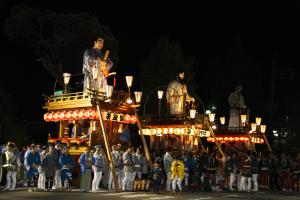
[48,168]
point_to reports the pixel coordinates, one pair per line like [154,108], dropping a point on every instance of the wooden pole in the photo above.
[217,143]
[267,142]
[143,137]
[112,165]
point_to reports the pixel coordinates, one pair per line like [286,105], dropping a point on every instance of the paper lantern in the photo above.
[80,114]
[93,114]
[132,119]
[127,119]
[61,116]
[46,117]
[55,116]
[68,115]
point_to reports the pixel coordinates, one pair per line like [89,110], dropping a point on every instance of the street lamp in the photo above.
[160,94]
[66,80]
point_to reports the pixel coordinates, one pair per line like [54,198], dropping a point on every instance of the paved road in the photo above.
[24,195]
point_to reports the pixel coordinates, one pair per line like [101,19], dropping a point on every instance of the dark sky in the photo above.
[230,33]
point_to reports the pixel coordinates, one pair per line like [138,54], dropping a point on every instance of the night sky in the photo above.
[242,37]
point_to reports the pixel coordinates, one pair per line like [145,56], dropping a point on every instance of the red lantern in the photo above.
[68,115]
[86,114]
[50,117]
[80,114]
[74,115]
[61,116]
[262,141]
[132,119]
[92,114]
[55,116]
[126,119]
[46,117]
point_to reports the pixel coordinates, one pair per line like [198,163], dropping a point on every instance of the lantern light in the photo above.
[243,118]
[138,96]
[160,94]
[196,142]
[129,80]
[222,120]
[211,117]
[263,128]
[66,78]
[193,113]
[253,127]
[258,121]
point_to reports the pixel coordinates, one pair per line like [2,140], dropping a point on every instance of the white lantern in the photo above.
[243,118]
[253,127]
[193,113]
[263,128]
[138,96]
[160,94]
[211,117]
[258,121]
[222,119]
[66,78]
[129,80]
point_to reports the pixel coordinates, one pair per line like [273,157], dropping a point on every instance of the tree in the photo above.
[161,65]
[57,39]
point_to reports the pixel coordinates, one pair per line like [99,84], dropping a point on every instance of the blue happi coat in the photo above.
[82,162]
[31,159]
[66,163]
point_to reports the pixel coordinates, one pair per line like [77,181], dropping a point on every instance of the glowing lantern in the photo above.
[262,141]
[80,114]
[165,131]
[86,114]
[225,139]
[74,115]
[243,118]
[133,119]
[158,131]
[153,131]
[222,120]
[182,131]
[211,117]
[127,119]
[196,142]
[171,130]
[192,132]
[46,117]
[258,121]
[68,115]
[61,116]
[148,132]
[55,116]
[263,128]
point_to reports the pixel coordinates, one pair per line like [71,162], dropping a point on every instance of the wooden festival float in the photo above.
[88,118]
[193,131]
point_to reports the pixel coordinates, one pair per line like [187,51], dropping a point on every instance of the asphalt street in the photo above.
[25,195]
